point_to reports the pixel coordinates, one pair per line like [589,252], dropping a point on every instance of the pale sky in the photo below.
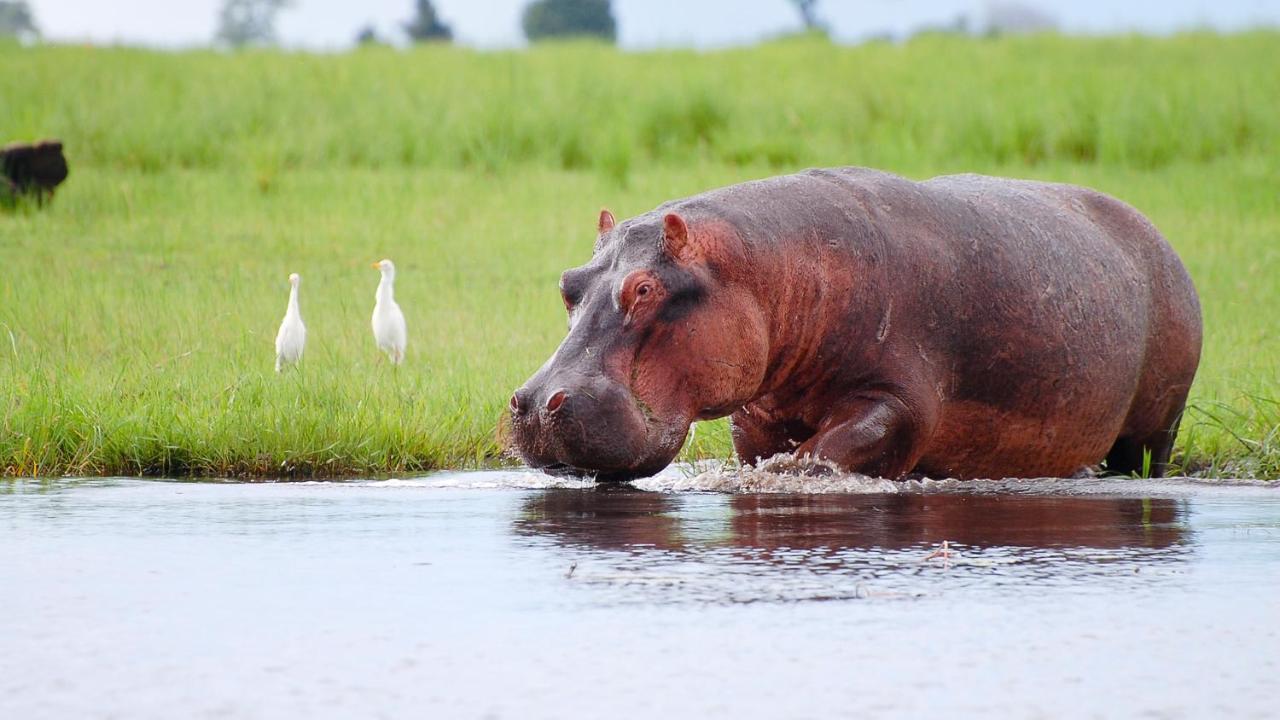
[331,24]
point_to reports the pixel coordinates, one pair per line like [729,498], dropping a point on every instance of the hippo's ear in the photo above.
[606,221]
[676,242]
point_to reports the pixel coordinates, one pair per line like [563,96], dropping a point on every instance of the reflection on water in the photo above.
[515,595]
[753,548]
[614,519]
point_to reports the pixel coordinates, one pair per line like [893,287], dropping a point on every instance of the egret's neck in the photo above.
[293,301]
[386,287]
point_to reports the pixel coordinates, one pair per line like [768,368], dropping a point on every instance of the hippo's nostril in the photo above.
[556,400]
[518,402]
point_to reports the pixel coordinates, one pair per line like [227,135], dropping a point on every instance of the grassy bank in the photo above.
[137,314]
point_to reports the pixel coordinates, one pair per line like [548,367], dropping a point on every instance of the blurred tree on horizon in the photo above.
[1017,18]
[426,25]
[551,19]
[244,23]
[16,20]
[368,35]
[809,15]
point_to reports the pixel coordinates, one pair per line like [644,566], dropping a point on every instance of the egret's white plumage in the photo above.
[388,321]
[293,334]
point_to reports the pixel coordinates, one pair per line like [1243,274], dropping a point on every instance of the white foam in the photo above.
[485,479]
[786,474]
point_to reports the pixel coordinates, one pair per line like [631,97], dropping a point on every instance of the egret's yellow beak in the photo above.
[376,266]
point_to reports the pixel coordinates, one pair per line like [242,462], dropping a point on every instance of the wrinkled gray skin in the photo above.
[965,326]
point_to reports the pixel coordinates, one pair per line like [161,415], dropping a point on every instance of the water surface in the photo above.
[513,595]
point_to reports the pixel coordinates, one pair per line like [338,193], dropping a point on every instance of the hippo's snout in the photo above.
[585,425]
[521,402]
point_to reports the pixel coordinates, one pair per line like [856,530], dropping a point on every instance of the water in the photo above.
[513,595]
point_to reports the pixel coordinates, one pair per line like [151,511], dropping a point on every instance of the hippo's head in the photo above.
[662,332]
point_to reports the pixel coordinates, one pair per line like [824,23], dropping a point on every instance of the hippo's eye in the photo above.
[638,294]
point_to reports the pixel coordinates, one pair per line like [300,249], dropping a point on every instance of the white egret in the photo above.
[293,334]
[388,321]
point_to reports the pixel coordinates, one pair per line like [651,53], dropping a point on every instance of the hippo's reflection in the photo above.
[616,520]
[607,519]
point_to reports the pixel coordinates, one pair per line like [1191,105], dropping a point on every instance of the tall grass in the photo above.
[1136,101]
[137,312]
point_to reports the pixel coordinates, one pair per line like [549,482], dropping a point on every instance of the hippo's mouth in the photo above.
[651,457]
[565,470]
[562,470]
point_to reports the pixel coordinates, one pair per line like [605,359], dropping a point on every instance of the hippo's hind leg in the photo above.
[1140,456]
[1144,455]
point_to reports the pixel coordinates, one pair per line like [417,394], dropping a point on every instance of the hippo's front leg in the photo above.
[876,434]
[758,435]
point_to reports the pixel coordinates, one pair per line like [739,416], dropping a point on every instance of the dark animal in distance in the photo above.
[965,326]
[32,169]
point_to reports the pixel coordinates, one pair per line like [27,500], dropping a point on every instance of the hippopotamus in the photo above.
[964,326]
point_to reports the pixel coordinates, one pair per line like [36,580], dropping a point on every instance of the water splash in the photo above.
[784,473]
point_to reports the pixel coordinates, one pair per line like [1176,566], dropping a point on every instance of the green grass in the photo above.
[1135,101]
[137,313]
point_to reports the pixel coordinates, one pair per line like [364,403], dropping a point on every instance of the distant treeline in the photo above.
[1132,100]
